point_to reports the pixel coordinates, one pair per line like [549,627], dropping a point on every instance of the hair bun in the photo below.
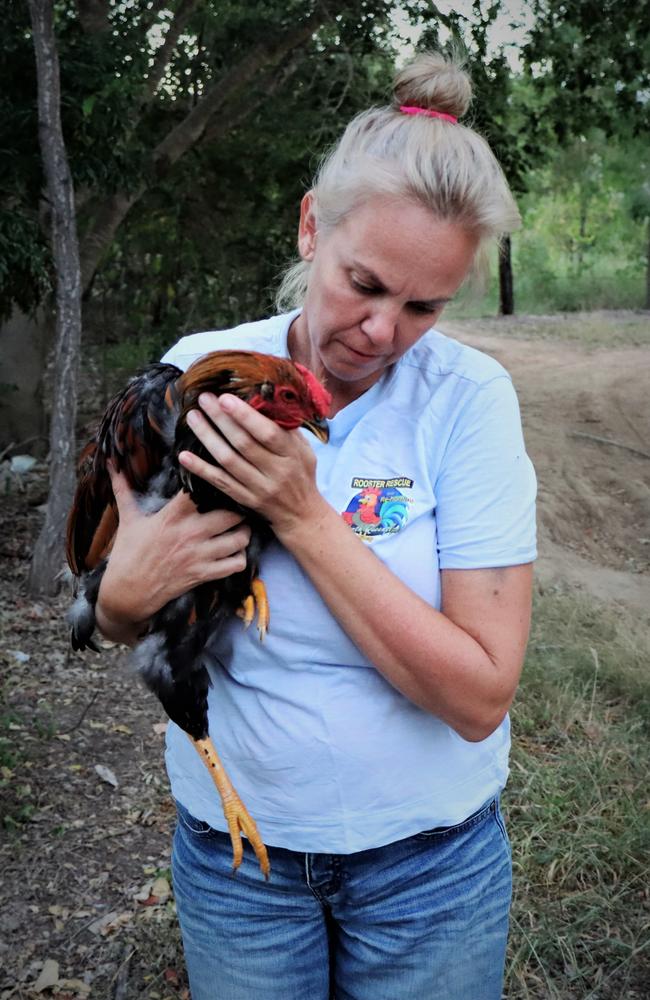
[430,81]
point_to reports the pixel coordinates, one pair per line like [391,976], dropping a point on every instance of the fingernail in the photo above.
[205,399]
[192,418]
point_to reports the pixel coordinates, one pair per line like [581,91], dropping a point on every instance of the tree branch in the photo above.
[110,212]
[239,110]
[189,131]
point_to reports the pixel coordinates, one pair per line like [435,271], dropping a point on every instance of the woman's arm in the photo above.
[157,557]
[462,663]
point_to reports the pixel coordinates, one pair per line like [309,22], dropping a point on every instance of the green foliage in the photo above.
[501,107]
[205,248]
[24,255]
[590,63]
[24,262]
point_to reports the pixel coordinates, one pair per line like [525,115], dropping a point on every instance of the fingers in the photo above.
[228,543]
[239,458]
[212,523]
[224,554]
[243,426]
[218,477]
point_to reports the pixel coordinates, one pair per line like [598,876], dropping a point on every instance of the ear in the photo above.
[307,227]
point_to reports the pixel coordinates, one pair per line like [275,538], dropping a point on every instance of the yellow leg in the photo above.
[256,601]
[262,605]
[237,816]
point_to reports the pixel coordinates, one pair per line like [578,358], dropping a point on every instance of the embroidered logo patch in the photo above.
[379,508]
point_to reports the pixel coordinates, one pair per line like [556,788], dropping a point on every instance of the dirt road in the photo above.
[594,497]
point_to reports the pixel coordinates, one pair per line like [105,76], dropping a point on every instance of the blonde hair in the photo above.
[449,168]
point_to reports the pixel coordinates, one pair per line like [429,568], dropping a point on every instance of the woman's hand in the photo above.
[157,557]
[261,465]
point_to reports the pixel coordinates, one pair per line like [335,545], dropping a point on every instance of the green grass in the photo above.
[577,804]
[540,290]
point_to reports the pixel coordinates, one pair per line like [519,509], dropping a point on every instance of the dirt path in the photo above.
[594,498]
[83,848]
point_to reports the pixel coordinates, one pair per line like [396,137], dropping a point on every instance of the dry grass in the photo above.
[577,804]
[591,330]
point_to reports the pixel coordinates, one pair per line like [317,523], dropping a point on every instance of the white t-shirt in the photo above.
[429,467]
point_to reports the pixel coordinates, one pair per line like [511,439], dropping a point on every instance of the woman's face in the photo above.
[378,281]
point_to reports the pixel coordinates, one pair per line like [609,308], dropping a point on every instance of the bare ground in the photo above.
[87,818]
[594,497]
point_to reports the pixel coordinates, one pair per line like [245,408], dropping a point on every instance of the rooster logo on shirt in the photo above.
[378,509]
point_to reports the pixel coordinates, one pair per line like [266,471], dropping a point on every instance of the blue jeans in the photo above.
[425,918]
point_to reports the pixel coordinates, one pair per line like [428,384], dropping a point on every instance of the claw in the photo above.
[237,816]
[247,610]
[256,601]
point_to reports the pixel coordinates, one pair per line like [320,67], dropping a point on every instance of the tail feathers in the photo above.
[81,616]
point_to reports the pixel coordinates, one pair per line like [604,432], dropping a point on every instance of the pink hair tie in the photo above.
[406,110]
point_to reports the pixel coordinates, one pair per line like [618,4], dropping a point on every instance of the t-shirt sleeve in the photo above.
[189,349]
[486,487]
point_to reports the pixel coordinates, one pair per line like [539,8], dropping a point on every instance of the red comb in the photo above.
[321,397]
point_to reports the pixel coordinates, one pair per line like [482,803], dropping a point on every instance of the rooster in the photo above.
[142,433]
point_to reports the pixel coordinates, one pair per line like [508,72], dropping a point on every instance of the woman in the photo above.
[368,735]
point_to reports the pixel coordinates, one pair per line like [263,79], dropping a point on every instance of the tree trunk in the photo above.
[506,289]
[48,554]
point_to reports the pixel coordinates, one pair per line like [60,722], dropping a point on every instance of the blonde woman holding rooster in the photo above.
[368,734]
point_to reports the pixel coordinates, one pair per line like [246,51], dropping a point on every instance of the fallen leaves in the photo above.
[48,979]
[48,976]
[79,843]
[153,893]
[107,775]
[111,922]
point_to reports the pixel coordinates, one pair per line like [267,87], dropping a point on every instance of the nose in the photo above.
[380,326]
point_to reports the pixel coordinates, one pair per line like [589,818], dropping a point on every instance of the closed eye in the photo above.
[365,289]
[425,307]
[421,308]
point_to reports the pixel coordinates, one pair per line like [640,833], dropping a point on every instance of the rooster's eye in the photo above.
[289,395]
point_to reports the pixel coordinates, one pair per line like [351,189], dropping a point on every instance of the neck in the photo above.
[342,393]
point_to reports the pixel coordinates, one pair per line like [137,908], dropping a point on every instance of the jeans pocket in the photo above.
[196,826]
[498,818]
[440,832]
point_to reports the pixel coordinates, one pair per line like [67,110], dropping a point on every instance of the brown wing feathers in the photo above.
[133,435]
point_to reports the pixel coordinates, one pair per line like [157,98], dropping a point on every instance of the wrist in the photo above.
[115,612]
[304,528]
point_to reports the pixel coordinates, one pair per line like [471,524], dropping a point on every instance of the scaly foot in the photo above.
[237,816]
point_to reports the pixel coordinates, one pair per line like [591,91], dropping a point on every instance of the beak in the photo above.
[318,428]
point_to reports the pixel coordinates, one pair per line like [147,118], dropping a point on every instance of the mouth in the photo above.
[361,355]
[319,428]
